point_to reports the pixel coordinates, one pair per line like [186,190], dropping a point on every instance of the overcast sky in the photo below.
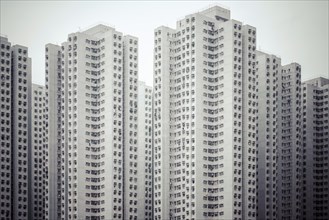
[297,31]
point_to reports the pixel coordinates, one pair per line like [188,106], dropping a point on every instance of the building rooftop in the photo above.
[217,12]
[319,81]
[98,29]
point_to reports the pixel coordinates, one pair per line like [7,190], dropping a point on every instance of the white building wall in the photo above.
[64,133]
[21,106]
[161,77]
[289,150]
[199,79]
[315,148]
[145,148]
[6,129]
[53,77]
[269,72]
[130,128]
[89,102]
[39,153]
[99,121]
[15,125]
[15,131]
[249,121]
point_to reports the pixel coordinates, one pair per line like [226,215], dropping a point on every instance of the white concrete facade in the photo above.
[92,187]
[53,63]
[269,72]
[15,131]
[102,162]
[290,145]
[39,153]
[6,130]
[205,118]
[145,150]
[316,149]
[130,127]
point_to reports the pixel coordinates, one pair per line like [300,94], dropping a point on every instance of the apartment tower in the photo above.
[205,118]
[15,130]
[316,149]
[145,148]
[39,154]
[95,93]
[269,72]
[289,144]
[53,115]
[129,59]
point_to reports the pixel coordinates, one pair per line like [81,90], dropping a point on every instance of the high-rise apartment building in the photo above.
[53,115]
[92,83]
[15,130]
[145,149]
[129,106]
[269,72]
[205,118]
[6,129]
[316,149]
[39,154]
[290,144]
[279,166]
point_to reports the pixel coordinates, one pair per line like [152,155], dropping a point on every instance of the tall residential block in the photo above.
[53,115]
[290,144]
[269,72]
[316,149]
[145,149]
[93,83]
[129,104]
[39,154]
[6,129]
[15,130]
[205,118]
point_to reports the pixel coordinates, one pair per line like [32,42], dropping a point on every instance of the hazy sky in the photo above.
[297,31]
